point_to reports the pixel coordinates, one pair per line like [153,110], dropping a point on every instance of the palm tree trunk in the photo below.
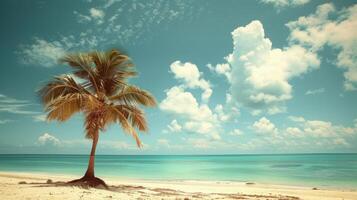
[89,179]
[90,171]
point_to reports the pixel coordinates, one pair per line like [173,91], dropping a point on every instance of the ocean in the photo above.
[315,170]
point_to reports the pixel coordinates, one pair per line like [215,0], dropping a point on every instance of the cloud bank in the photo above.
[323,29]
[260,75]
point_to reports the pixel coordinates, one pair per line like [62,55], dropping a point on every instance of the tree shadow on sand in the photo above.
[159,192]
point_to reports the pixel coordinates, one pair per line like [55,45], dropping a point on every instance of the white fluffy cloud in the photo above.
[222,115]
[296,119]
[94,14]
[294,131]
[236,132]
[222,69]
[202,127]
[264,126]
[323,29]
[320,133]
[260,74]
[198,117]
[316,91]
[174,126]
[46,138]
[179,101]
[191,115]
[189,74]
[279,4]
[42,52]
[319,129]
[303,134]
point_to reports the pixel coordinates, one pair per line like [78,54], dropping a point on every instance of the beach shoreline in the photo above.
[35,186]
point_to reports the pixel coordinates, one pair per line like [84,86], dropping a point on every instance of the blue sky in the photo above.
[230,77]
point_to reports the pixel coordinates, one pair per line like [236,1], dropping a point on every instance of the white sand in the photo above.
[36,188]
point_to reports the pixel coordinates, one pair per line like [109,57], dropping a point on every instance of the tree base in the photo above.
[87,182]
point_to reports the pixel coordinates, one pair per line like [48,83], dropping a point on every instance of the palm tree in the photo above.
[98,88]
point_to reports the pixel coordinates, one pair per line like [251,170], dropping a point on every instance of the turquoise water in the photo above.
[318,170]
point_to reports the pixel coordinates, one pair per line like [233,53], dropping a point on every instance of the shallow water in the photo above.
[318,170]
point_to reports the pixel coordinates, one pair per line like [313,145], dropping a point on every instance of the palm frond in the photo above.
[135,115]
[100,62]
[132,95]
[80,62]
[83,68]
[113,68]
[60,86]
[119,64]
[63,107]
[118,114]
[116,57]
[138,119]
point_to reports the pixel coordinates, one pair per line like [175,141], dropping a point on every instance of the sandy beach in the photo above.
[14,185]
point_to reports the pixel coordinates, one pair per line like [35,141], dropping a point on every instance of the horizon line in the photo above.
[246,154]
